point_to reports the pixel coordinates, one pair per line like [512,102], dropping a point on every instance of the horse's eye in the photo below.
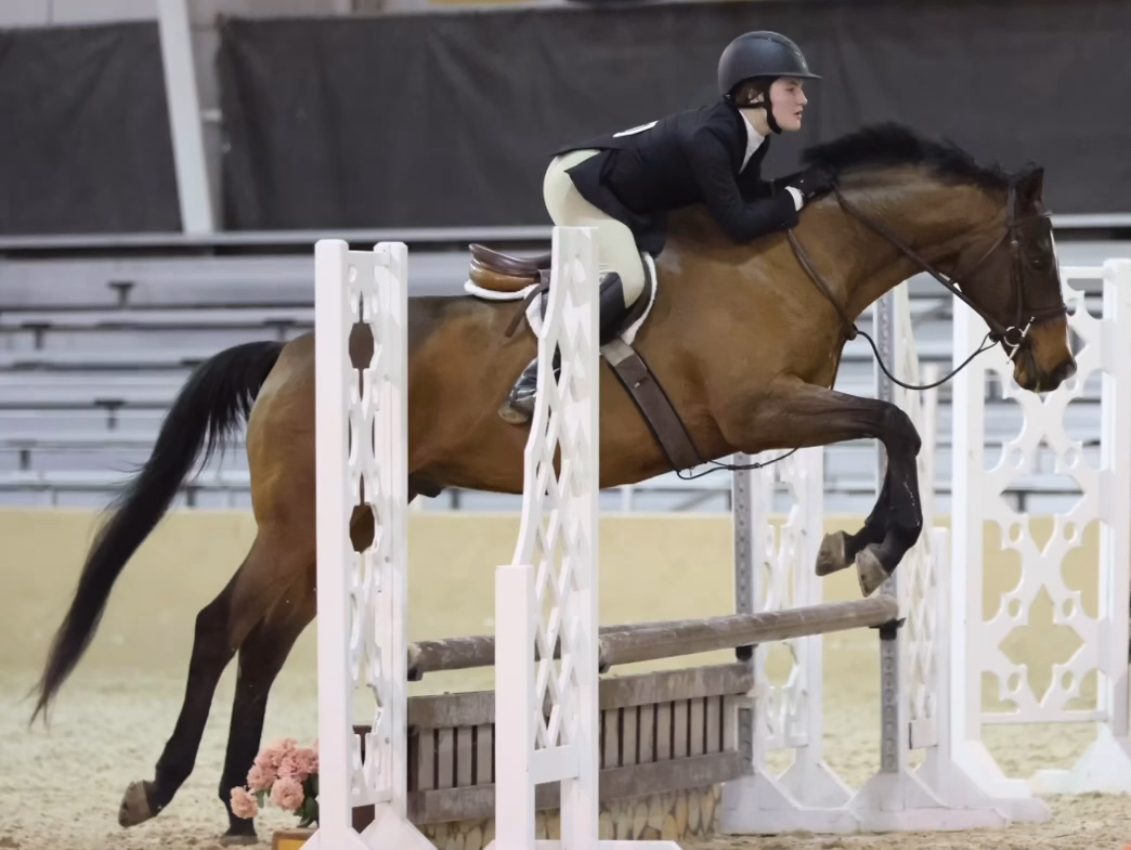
[1040,255]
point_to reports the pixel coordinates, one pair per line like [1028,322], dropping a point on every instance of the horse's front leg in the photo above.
[793,414]
[839,548]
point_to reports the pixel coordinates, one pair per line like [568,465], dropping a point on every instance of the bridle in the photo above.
[1012,336]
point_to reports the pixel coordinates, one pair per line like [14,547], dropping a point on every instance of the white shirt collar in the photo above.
[754,139]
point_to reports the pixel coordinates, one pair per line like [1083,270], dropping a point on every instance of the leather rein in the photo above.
[1012,336]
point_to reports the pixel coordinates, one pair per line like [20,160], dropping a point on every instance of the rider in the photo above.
[624,184]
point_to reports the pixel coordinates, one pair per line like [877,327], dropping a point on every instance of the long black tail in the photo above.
[217,396]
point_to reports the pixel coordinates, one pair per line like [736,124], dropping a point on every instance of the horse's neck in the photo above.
[929,217]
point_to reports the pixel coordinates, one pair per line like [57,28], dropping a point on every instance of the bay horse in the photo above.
[746,340]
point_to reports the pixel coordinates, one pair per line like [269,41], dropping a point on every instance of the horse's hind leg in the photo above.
[221,626]
[261,658]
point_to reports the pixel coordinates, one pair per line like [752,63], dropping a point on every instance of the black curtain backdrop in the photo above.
[84,132]
[448,120]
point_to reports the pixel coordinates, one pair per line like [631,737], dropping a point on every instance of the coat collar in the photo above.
[741,137]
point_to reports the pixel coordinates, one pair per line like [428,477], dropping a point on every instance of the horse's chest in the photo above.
[814,356]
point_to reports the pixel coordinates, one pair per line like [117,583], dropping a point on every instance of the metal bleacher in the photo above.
[92,352]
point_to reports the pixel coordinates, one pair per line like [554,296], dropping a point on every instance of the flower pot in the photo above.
[290,839]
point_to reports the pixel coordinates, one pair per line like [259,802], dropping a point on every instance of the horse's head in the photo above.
[1000,257]
[1015,286]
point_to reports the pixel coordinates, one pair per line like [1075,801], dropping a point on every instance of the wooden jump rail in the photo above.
[672,638]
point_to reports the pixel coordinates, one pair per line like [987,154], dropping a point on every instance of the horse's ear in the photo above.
[1030,183]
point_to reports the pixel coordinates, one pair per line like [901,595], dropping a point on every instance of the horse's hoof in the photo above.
[135,806]
[229,839]
[870,571]
[831,557]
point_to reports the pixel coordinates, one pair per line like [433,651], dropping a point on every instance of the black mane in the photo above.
[893,144]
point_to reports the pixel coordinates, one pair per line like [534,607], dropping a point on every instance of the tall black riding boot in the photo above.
[519,406]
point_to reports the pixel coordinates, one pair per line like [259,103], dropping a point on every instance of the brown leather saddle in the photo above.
[500,272]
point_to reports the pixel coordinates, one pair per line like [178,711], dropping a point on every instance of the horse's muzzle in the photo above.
[1061,373]
[1030,377]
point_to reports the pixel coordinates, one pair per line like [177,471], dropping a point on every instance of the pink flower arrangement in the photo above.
[285,773]
[287,794]
[244,805]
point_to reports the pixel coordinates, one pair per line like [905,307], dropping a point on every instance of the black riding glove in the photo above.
[813,182]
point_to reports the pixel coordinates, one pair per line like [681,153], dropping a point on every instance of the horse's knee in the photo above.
[899,431]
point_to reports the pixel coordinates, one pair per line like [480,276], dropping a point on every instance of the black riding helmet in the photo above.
[764,56]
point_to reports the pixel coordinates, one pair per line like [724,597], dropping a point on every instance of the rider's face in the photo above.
[787,96]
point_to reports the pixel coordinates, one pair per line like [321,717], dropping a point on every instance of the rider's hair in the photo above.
[748,91]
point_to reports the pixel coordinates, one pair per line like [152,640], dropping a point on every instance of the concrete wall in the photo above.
[41,13]
[654,567]
[682,568]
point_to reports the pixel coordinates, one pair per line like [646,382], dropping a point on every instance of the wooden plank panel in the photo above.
[446,756]
[732,707]
[478,707]
[452,804]
[628,745]
[664,731]
[465,761]
[679,729]
[714,709]
[610,738]
[647,750]
[437,710]
[413,759]
[697,731]
[484,754]
[668,685]
[664,777]
[426,761]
